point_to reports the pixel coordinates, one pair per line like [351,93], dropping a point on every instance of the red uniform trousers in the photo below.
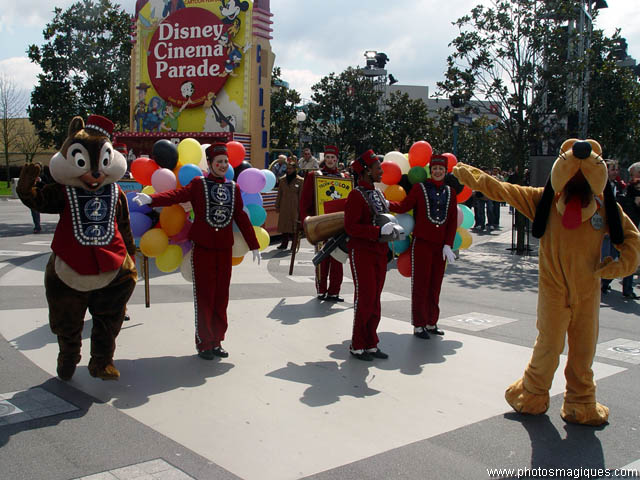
[330,269]
[211,278]
[427,272]
[369,270]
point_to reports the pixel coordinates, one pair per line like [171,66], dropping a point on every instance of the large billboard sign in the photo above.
[189,72]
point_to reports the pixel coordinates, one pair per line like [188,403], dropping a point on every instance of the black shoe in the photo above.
[377,353]
[605,290]
[631,295]
[37,230]
[334,298]
[282,246]
[423,334]
[65,371]
[364,356]
[206,354]
[220,352]
[434,330]
[322,296]
[126,317]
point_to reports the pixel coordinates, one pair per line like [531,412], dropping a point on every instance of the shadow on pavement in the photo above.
[580,449]
[347,376]
[314,308]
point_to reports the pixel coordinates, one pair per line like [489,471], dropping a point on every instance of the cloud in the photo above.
[27,13]
[21,71]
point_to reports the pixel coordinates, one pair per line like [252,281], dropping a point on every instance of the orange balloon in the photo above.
[172,219]
[464,195]
[154,242]
[420,154]
[236,261]
[236,153]
[175,172]
[404,264]
[395,193]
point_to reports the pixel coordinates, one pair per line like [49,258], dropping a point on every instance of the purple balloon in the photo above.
[140,223]
[251,180]
[133,206]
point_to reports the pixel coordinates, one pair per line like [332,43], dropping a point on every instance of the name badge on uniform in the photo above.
[597,221]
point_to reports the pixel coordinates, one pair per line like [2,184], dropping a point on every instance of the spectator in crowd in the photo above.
[279,167]
[608,250]
[308,162]
[288,202]
[631,206]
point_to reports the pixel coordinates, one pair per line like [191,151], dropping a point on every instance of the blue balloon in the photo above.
[140,223]
[271,180]
[133,206]
[251,198]
[406,221]
[229,173]
[469,219]
[400,246]
[257,214]
[187,173]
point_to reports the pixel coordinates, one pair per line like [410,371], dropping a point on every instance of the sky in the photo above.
[313,38]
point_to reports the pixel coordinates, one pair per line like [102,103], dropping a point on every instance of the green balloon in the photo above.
[417,175]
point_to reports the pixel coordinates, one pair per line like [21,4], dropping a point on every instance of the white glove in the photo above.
[256,255]
[387,228]
[142,199]
[447,254]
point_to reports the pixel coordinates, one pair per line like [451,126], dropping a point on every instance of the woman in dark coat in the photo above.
[288,202]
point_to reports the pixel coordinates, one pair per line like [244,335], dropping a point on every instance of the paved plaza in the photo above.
[289,402]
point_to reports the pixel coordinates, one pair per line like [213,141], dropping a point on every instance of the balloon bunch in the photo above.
[166,237]
[400,172]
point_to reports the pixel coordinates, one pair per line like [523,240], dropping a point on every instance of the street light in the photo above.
[300,117]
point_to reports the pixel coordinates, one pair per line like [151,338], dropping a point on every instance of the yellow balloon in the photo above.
[395,193]
[236,261]
[240,247]
[172,219]
[263,237]
[154,242]
[170,259]
[149,190]
[466,238]
[189,151]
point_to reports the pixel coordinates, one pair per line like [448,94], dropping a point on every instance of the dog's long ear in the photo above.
[613,215]
[542,211]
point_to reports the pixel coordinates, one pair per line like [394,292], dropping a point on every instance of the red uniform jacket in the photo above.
[424,228]
[359,223]
[70,241]
[201,232]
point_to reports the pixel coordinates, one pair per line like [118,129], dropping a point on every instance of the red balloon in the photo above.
[451,161]
[236,153]
[420,154]
[142,168]
[404,263]
[391,173]
[464,195]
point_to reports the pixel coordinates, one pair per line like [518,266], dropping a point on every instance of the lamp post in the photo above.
[300,117]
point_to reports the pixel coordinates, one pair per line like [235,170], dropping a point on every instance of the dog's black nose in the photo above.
[95,174]
[581,150]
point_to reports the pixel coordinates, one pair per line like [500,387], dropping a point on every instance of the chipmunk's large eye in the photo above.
[78,157]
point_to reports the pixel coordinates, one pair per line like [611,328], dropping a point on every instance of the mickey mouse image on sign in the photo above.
[92,265]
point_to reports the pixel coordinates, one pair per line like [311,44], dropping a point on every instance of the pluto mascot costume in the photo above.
[92,262]
[570,215]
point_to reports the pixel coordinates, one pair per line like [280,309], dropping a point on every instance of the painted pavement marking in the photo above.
[17,253]
[24,405]
[155,469]
[475,321]
[39,243]
[621,349]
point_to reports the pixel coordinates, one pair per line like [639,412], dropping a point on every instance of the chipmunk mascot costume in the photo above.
[571,215]
[92,264]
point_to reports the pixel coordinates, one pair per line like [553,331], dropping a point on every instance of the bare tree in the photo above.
[27,142]
[13,103]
